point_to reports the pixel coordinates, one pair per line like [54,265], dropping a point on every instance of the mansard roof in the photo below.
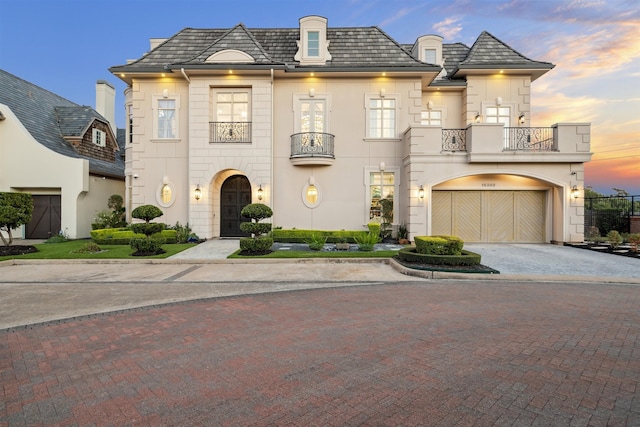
[47,117]
[352,49]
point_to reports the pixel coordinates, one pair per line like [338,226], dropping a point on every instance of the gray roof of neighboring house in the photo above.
[351,48]
[47,117]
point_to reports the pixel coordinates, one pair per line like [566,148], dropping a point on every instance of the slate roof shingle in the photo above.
[46,116]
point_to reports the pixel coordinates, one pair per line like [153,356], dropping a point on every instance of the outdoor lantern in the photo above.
[260,192]
[421,193]
[575,192]
[521,118]
[197,193]
[477,119]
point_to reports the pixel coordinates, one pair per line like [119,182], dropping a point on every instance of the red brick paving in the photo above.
[436,353]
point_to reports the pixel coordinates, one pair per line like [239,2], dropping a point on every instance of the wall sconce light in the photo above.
[312,92]
[521,118]
[421,193]
[429,105]
[499,101]
[383,92]
[575,192]
[477,118]
[197,193]
[165,93]
[260,192]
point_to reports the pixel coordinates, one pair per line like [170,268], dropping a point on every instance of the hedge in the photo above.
[123,236]
[302,236]
[465,258]
[439,245]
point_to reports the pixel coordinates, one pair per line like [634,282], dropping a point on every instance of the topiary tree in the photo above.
[115,203]
[15,210]
[147,246]
[257,244]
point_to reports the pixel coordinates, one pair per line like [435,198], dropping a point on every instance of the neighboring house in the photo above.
[321,123]
[64,154]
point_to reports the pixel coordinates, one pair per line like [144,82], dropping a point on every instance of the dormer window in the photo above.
[430,56]
[99,138]
[313,43]
[313,46]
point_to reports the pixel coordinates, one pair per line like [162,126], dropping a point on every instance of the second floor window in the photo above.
[382,118]
[232,106]
[167,118]
[431,118]
[313,43]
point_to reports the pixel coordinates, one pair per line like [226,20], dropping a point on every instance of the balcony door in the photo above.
[502,115]
[312,115]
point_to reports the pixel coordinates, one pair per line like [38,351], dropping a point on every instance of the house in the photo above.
[322,123]
[66,155]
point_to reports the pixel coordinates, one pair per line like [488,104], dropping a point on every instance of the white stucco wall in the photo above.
[27,166]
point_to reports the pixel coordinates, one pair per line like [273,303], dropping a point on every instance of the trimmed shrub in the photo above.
[259,245]
[147,229]
[614,238]
[123,236]
[145,246]
[439,245]
[89,248]
[146,212]
[374,228]
[464,258]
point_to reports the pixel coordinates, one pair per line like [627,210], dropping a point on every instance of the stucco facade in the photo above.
[321,131]
[36,159]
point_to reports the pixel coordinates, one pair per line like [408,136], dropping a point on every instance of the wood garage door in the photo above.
[46,218]
[490,216]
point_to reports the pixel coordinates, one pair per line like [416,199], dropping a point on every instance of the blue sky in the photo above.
[66,45]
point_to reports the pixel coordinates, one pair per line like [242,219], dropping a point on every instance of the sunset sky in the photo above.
[66,45]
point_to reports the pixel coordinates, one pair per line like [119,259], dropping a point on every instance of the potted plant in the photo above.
[343,244]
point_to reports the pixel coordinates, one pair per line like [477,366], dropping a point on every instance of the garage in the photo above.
[46,218]
[490,216]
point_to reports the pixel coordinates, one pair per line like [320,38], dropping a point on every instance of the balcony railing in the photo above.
[528,139]
[454,140]
[229,132]
[312,144]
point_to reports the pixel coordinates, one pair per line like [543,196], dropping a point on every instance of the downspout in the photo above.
[185,75]
[272,153]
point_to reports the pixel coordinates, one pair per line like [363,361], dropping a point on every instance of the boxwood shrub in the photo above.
[439,245]
[123,236]
[464,258]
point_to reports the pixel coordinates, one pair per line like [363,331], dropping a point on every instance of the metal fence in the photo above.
[610,213]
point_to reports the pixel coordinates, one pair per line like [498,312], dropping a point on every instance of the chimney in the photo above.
[106,102]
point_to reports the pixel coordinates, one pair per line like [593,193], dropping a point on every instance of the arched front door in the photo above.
[234,195]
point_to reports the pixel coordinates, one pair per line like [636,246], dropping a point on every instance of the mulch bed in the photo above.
[17,250]
[479,268]
[622,250]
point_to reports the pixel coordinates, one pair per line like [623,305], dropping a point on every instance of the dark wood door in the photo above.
[46,218]
[234,195]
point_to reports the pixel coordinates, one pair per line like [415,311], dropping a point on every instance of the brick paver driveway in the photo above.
[428,353]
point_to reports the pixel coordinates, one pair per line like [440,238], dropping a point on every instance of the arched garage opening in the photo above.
[493,209]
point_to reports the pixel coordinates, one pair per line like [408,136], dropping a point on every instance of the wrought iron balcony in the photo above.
[529,139]
[231,132]
[312,145]
[454,140]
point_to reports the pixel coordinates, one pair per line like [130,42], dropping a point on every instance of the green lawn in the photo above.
[66,251]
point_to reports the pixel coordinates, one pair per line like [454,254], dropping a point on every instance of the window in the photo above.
[165,195]
[166,118]
[382,118]
[431,117]
[232,106]
[311,194]
[232,115]
[99,138]
[430,56]
[312,117]
[130,128]
[381,186]
[313,43]
[499,115]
